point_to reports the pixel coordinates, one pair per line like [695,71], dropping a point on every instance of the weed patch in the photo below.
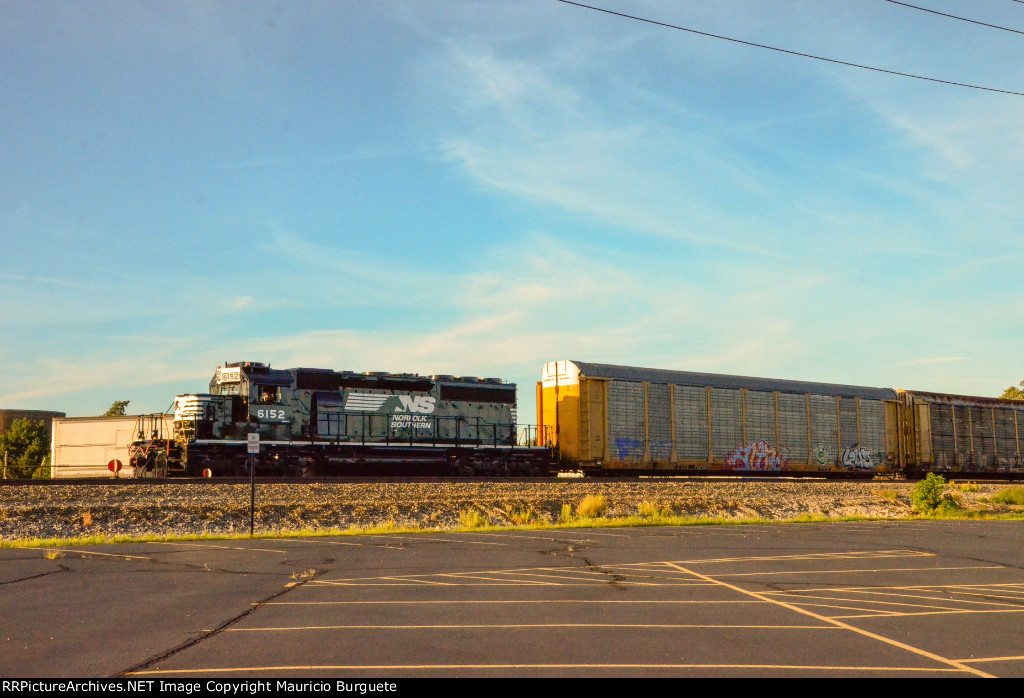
[472,518]
[593,506]
[1010,495]
[521,517]
[566,515]
[647,509]
[650,510]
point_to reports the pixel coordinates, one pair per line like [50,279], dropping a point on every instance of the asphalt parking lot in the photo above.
[913,598]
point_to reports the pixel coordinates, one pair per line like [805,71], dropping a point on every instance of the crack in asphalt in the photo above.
[206,635]
[615,578]
[61,568]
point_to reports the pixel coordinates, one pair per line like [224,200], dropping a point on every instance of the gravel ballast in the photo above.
[138,509]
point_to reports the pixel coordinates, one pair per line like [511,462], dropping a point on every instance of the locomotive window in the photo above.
[268,395]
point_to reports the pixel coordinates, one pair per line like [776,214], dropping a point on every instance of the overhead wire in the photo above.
[787,51]
[962,19]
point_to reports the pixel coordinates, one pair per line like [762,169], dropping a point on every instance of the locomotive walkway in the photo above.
[909,598]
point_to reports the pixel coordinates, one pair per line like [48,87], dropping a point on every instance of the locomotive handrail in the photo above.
[367,428]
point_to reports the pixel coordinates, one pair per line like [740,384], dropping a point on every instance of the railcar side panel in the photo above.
[721,424]
[963,435]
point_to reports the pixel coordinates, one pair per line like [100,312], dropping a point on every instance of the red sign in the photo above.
[114,466]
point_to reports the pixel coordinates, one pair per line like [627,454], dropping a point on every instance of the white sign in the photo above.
[229,375]
[254,443]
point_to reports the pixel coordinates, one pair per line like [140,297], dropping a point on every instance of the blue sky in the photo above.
[477,188]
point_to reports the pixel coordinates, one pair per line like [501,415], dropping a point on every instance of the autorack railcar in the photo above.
[960,435]
[606,419]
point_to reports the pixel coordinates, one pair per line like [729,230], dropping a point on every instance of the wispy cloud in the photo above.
[522,129]
[29,280]
[363,154]
[936,360]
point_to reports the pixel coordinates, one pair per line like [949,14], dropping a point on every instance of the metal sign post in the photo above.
[253,451]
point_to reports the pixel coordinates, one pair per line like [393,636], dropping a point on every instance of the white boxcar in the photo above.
[84,446]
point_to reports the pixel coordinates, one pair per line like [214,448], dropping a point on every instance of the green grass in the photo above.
[1010,495]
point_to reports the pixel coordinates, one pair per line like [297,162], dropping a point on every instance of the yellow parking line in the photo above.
[963,611]
[533,626]
[332,542]
[854,554]
[420,581]
[926,598]
[972,660]
[423,602]
[852,628]
[795,598]
[410,538]
[222,547]
[868,569]
[90,552]
[914,587]
[862,612]
[500,579]
[523,535]
[602,577]
[213,671]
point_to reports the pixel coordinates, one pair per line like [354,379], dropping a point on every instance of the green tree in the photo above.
[1013,392]
[27,448]
[117,409]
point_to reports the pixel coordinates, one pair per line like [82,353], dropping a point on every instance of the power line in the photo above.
[962,19]
[792,53]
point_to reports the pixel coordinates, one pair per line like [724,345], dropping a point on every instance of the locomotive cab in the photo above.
[203,416]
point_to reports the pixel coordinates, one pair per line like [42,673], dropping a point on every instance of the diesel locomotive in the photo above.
[318,421]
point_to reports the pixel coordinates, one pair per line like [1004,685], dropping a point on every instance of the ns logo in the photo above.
[420,404]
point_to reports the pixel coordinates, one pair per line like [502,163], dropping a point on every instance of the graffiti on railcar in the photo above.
[1007,464]
[820,453]
[758,455]
[858,458]
[629,449]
